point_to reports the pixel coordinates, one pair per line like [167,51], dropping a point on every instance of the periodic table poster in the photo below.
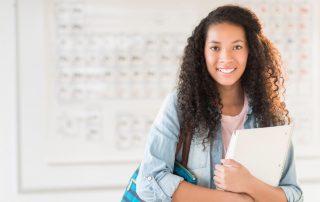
[293,27]
[112,69]
[113,66]
[109,65]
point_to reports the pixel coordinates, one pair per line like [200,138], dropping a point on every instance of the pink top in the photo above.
[232,123]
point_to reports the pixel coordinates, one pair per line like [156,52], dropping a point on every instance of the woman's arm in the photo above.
[232,176]
[187,192]
[263,192]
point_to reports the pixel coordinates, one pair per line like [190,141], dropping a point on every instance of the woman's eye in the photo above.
[237,47]
[215,48]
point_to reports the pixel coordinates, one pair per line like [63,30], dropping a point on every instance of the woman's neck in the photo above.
[232,98]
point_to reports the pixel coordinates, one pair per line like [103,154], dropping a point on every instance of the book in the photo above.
[263,151]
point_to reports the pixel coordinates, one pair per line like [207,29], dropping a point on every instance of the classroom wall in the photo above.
[62,138]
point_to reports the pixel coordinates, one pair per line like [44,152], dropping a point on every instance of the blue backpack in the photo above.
[130,194]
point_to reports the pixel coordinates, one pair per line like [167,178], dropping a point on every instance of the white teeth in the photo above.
[226,71]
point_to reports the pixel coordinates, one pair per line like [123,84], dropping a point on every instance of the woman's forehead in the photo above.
[225,32]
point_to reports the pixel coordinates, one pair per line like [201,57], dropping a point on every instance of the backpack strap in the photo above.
[186,142]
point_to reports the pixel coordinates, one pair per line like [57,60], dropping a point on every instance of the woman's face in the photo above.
[226,52]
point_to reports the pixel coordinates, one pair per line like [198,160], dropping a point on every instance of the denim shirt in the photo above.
[156,182]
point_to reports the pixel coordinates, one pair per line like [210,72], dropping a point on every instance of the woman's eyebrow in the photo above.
[239,40]
[236,41]
[214,42]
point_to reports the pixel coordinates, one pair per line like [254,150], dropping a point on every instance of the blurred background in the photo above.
[82,80]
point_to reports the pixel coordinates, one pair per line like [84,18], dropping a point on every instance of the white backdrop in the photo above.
[80,87]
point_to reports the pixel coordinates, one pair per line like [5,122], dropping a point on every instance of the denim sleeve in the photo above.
[155,181]
[288,182]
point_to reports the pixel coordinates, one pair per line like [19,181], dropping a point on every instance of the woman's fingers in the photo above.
[218,182]
[219,167]
[230,162]
[218,173]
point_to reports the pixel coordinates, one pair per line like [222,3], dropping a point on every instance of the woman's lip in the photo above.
[226,70]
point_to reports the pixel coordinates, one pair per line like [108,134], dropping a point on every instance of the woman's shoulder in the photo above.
[169,107]
[171,100]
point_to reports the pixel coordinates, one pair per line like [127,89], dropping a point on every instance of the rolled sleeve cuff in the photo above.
[169,183]
[161,190]
[293,194]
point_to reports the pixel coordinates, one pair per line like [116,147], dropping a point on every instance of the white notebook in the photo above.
[263,151]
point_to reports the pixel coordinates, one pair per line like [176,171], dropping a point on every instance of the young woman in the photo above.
[230,78]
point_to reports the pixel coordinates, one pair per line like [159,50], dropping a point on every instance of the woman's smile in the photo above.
[228,70]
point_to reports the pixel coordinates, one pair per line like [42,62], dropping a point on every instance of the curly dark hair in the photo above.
[263,78]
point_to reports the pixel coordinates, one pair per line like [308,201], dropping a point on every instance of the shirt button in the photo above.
[149,178]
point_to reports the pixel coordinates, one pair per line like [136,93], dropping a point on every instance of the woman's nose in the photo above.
[225,56]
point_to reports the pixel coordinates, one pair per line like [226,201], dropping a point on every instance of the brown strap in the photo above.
[179,145]
[186,141]
[186,149]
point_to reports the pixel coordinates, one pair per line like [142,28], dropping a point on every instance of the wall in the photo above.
[28,170]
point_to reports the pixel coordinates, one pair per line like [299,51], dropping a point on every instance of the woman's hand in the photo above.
[232,176]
